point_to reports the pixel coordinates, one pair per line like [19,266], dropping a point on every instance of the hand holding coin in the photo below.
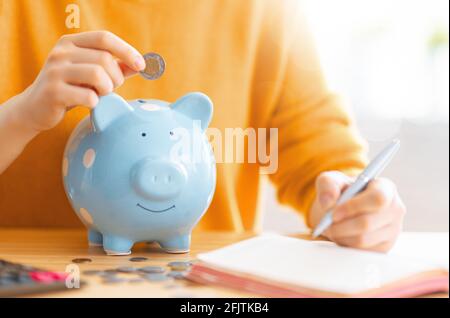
[80,68]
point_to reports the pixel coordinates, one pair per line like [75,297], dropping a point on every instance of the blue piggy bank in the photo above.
[141,171]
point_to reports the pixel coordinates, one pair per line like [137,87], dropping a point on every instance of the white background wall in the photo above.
[389,59]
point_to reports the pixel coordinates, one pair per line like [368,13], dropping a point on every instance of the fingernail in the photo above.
[325,200]
[139,63]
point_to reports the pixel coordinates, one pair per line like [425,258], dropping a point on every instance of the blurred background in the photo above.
[390,62]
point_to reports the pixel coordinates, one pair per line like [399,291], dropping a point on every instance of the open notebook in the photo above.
[279,266]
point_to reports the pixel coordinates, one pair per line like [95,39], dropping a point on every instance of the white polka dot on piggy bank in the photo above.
[86,216]
[65,167]
[131,174]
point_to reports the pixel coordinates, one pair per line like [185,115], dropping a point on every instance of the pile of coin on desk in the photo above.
[173,270]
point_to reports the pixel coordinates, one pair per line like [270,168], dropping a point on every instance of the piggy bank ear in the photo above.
[109,108]
[197,106]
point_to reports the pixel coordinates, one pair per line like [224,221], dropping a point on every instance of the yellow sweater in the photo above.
[255,60]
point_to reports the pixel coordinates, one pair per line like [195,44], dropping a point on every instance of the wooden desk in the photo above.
[54,249]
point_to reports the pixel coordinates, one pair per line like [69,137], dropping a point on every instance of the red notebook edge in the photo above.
[419,285]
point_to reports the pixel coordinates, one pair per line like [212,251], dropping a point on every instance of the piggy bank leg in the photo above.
[95,238]
[177,244]
[114,245]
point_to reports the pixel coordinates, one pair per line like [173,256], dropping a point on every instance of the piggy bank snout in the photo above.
[158,180]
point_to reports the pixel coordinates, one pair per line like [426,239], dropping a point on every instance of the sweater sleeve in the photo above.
[315,131]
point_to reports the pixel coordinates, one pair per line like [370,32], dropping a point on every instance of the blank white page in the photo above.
[319,265]
[429,247]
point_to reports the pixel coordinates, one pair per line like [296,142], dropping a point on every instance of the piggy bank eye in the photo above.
[171,133]
[143,134]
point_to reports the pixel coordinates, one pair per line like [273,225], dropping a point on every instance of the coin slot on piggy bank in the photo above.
[129,179]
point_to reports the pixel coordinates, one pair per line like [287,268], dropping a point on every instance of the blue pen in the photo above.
[371,172]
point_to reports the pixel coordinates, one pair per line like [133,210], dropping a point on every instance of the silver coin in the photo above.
[152,269]
[179,265]
[138,259]
[91,272]
[154,66]
[107,273]
[125,269]
[177,274]
[113,280]
[156,277]
[81,260]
